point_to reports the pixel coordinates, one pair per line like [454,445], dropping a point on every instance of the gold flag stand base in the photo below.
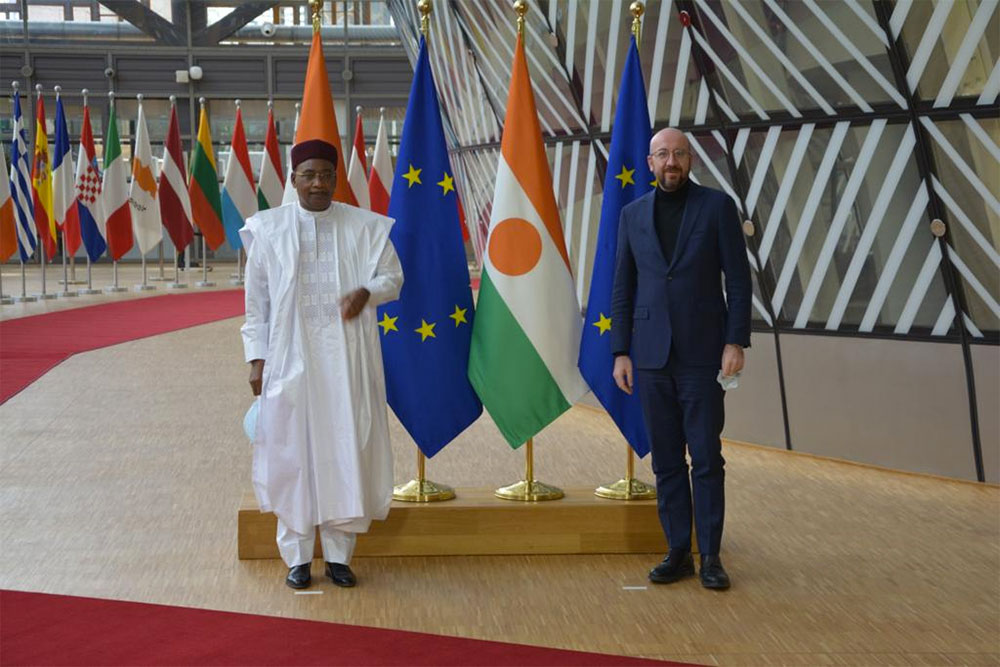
[628,488]
[421,489]
[529,489]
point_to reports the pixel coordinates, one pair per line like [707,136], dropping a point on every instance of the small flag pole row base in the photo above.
[237,278]
[4,299]
[89,289]
[421,489]
[114,286]
[24,298]
[529,489]
[160,277]
[628,488]
[144,286]
[177,284]
[204,282]
[65,281]
[44,296]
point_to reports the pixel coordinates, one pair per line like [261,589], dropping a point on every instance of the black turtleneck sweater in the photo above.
[668,211]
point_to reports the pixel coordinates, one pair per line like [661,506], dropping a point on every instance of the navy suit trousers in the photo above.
[684,405]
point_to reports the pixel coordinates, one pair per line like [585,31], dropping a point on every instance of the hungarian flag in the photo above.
[41,185]
[239,201]
[380,179]
[175,203]
[63,185]
[527,327]
[114,193]
[89,207]
[8,230]
[357,172]
[206,204]
[142,195]
[271,186]
[318,120]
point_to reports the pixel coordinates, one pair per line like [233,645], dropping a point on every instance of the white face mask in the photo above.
[728,381]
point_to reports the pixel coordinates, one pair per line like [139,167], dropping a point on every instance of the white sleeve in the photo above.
[388,280]
[258,306]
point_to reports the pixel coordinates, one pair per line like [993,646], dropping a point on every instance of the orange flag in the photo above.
[318,120]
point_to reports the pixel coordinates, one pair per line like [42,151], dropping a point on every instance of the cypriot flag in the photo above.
[142,193]
[527,327]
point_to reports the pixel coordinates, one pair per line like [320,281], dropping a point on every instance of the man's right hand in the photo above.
[256,376]
[623,373]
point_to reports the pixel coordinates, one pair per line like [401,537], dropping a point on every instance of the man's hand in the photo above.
[623,373]
[353,303]
[732,359]
[256,376]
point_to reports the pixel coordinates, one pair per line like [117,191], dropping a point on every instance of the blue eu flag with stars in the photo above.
[628,177]
[426,333]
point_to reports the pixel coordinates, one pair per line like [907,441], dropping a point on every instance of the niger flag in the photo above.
[318,120]
[527,328]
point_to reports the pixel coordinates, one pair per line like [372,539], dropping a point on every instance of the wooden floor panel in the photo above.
[122,471]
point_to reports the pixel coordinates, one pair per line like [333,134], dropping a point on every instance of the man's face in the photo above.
[315,180]
[669,158]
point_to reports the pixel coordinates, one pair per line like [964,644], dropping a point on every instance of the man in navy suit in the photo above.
[669,315]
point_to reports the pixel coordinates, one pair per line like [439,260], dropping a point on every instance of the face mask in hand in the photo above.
[728,381]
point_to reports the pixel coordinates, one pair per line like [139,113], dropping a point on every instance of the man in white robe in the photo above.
[316,270]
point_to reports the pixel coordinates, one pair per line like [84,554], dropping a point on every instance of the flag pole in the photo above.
[114,286]
[629,488]
[25,297]
[528,489]
[89,289]
[204,282]
[65,281]
[160,277]
[44,296]
[421,489]
[144,286]
[4,300]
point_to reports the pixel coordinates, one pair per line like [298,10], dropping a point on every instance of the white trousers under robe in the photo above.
[297,549]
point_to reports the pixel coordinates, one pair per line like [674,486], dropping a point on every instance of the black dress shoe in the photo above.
[677,565]
[340,575]
[299,577]
[713,575]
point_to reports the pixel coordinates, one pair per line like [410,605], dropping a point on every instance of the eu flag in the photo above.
[426,333]
[628,177]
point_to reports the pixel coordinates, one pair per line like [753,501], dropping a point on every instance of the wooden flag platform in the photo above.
[478,523]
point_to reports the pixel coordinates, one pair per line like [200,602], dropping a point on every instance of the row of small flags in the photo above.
[97,207]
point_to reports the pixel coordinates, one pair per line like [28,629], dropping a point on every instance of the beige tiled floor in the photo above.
[122,469]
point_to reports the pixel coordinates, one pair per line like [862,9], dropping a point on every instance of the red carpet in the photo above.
[31,346]
[39,629]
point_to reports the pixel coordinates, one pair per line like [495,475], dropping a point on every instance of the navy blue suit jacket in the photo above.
[662,306]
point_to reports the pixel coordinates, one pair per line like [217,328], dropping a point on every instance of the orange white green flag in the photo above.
[527,329]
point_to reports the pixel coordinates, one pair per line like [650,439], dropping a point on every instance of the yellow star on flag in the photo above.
[388,323]
[653,182]
[426,330]
[626,177]
[459,315]
[603,324]
[413,176]
[447,184]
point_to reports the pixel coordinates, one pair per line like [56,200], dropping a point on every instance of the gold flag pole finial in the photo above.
[317,7]
[637,9]
[520,8]
[424,7]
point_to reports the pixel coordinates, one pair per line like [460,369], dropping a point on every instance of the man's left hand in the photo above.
[353,303]
[732,359]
